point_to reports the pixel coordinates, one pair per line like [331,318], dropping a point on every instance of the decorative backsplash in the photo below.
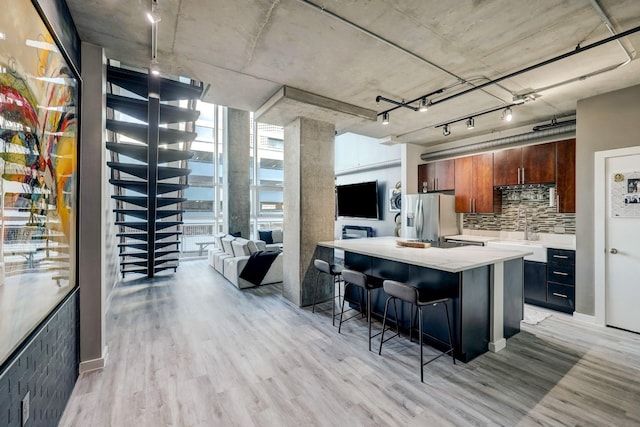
[540,216]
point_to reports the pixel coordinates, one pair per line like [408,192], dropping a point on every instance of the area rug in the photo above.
[533,317]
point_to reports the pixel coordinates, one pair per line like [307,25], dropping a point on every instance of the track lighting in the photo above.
[470,123]
[385,118]
[446,131]
[424,105]
[507,114]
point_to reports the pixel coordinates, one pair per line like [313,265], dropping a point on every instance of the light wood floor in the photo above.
[192,350]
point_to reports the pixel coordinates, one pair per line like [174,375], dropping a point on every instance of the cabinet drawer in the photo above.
[561,295]
[561,256]
[564,274]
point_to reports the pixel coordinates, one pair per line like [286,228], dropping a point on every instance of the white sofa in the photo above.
[272,238]
[231,254]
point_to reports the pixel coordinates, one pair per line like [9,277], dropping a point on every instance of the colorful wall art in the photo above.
[38,164]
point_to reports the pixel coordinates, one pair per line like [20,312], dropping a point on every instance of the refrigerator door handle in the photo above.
[419,220]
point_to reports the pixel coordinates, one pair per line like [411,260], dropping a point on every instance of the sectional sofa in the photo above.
[231,255]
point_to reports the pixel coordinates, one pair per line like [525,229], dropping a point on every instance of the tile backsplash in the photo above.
[540,216]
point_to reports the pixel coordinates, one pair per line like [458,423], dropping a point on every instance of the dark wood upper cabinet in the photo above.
[533,164]
[566,175]
[436,176]
[506,166]
[423,183]
[464,184]
[539,164]
[474,185]
[445,176]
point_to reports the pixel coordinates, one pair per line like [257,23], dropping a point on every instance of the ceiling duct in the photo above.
[552,134]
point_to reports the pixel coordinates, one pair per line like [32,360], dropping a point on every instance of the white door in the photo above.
[622,240]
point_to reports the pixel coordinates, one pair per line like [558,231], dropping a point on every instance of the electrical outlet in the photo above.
[25,409]
[558,229]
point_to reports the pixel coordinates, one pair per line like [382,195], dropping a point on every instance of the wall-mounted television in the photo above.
[358,200]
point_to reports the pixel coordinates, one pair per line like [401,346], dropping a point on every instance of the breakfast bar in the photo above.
[485,287]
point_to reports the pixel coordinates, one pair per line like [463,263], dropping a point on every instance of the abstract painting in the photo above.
[38,164]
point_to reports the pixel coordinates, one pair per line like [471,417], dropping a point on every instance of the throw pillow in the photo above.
[266,236]
[276,236]
[236,234]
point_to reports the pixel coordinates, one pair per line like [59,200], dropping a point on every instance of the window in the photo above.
[267,176]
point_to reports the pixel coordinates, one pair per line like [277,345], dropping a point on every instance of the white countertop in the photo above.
[453,260]
[471,238]
[545,240]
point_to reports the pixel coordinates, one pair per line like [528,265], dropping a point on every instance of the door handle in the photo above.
[613,251]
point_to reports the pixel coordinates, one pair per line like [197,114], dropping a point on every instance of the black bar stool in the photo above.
[412,295]
[335,272]
[355,278]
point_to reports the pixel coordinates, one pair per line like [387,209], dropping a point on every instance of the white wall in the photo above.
[604,122]
[359,159]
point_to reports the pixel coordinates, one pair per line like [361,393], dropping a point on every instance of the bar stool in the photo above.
[335,272]
[355,278]
[412,295]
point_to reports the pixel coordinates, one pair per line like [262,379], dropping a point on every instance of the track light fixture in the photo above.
[470,123]
[446,131]
[424,105]
[507,114]
[385,118]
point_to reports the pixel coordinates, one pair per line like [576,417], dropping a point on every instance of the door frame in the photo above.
[599,226]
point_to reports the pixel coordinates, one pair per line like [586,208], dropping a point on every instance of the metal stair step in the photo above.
[136,82]
[141,171]
[136,213]
[141,186]
[139,109]
[140,152]
[140,132]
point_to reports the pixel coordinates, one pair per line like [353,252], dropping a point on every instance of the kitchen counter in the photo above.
[544,240]
[485,286]
[453,260]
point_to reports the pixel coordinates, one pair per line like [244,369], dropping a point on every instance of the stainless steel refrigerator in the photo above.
[431,216]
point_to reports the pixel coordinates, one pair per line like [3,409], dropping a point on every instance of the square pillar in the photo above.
[237,194]
[93,201]
[309,202]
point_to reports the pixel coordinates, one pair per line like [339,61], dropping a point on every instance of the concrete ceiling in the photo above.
[354,50]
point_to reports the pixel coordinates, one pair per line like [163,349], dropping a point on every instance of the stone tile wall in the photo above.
[541,217]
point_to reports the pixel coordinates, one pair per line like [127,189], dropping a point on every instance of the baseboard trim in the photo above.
[94,364]
[584,318]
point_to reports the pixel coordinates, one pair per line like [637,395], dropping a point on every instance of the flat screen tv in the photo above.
[358,200]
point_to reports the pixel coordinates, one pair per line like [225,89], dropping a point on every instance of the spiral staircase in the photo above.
[149,166]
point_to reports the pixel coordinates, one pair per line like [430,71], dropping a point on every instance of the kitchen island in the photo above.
[485,287]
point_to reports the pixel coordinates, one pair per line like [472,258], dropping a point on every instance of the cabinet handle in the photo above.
[560,273]
[523,175]
[519,176]
[561,256]
[555,294]
[435,184]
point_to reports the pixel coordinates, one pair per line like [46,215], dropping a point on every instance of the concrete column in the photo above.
[237,195]
[93,191]
[309,203]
